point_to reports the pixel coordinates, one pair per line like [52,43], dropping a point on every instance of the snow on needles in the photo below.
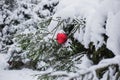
[96,14]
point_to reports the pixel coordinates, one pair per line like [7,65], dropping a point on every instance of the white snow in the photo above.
[24,74]
[3,60]
[113,27]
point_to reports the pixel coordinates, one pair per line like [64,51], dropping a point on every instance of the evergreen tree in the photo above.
[64,46]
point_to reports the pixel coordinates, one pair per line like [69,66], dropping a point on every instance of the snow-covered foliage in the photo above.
[92,51]
[96,13]
[21,16]
[101,28]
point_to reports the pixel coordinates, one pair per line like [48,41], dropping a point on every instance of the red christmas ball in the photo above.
[61,38]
